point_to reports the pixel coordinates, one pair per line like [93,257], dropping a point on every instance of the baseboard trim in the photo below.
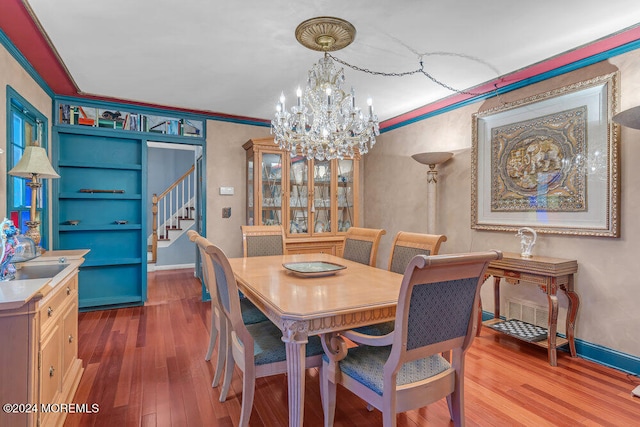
[597,353]
[170,267]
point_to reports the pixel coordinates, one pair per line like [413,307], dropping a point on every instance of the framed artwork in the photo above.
[549,162]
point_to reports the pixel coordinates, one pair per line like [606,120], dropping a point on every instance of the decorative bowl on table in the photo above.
[313,268]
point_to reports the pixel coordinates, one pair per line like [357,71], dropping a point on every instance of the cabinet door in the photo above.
[69,337]
[50,366]
[299,200]
[322,196]
[346,194]
[271,170]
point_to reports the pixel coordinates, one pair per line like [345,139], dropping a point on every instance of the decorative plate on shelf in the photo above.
[121,221]
[313,268]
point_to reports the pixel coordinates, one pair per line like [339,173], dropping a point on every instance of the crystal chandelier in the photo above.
[325,122]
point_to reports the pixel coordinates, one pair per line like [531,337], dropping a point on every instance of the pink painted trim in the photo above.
[594,48]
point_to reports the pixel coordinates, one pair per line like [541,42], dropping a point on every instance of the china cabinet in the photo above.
[315,201]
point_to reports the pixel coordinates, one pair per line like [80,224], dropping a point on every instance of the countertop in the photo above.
[16,293]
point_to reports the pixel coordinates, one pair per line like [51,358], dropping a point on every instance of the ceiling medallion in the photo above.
[325,33]
[325,122]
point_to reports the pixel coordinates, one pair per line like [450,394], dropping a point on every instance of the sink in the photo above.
[39,271]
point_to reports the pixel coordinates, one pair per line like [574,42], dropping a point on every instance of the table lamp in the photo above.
[432,159]
[34,164]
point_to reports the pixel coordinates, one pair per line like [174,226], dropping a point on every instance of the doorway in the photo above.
[174,173]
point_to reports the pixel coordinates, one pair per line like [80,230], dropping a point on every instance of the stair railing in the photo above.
[173,204]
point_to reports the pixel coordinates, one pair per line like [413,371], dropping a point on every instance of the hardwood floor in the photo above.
[145,366]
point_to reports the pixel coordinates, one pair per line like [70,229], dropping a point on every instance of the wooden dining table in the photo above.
[303,306]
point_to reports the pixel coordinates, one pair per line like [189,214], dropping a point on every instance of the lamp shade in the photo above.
[432,159]
[34,161]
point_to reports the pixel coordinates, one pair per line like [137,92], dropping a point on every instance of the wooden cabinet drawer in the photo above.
[50,309]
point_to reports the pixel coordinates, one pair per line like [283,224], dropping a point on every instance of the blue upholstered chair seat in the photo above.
[365,364]
[250,313]
[268,346]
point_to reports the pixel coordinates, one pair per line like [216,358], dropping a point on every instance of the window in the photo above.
[26,125]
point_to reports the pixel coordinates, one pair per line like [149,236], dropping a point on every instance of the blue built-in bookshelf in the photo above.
[100,200]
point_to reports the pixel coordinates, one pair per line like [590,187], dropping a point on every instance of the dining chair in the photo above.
[435,315]
[361,245]
[405,246]
[262,240]
[250,313]
[257,349]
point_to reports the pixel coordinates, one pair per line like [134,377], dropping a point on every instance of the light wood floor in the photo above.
[145,366]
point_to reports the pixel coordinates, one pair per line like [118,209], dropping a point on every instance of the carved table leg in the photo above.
[553,328]
[295,337]
[496,297]
[572,312]
[479,320]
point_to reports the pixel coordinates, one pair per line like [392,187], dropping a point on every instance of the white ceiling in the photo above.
[235,57]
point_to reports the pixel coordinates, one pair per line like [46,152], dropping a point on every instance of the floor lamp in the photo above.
[34,164]
[629,118]
[432,159]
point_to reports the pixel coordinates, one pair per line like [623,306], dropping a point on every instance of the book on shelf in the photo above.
[65,114]
[173,127]
[127,122]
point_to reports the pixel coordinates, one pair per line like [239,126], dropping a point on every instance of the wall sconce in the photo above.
[432,159]
[34,164]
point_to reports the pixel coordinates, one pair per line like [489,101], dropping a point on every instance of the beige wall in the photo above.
[608,280]
[226,168]
[12,74]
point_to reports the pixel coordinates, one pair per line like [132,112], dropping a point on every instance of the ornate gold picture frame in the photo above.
[549,162]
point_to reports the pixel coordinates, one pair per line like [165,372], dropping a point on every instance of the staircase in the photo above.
[173,214]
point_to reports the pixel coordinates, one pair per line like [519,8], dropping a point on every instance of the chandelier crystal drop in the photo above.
[325,122]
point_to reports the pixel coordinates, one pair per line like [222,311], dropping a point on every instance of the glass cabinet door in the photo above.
[322,197]
[345,194]
[271,176]
[299,195]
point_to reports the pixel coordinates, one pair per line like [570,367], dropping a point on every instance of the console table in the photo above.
[548,274]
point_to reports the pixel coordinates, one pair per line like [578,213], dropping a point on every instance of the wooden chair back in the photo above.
[218,322]
[262,240]
[361,245]
[406,245]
